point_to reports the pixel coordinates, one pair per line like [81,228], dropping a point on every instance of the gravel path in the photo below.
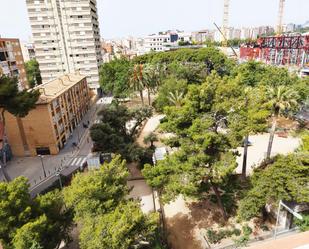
[257,152]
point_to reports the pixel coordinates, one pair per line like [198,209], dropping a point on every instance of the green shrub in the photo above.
[303,224]
[236,231]
[246,230]
[243,240]
[215,237]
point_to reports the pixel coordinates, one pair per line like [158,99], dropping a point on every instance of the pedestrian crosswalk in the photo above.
[77,161]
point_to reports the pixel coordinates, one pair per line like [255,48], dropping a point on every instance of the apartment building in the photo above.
[66,37]
[12,62]
[203,36]
[28,51]
[60,108]
[163,41]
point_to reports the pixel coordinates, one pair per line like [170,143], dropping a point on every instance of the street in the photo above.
[32,168]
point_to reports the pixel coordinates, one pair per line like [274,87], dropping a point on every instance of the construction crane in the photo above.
[225,26]
[280,17]
[225,23]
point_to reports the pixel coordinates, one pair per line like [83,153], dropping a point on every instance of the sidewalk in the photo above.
[31,167]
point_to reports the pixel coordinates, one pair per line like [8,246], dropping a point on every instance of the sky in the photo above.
[122,18]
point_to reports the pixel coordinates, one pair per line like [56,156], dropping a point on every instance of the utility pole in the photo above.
[42,163]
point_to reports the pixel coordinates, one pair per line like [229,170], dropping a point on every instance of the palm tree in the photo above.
[282,98]
[152,79]
[176,98]
[137,80]
[150,138]
[247,92]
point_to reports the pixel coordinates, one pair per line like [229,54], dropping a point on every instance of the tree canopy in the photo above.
[285,179]
[122,228]
[108,218]
[192,65]
[33,73]
[204,158]
[170,86]
[16,102]
[98,191]
[210,121]
[25,222]
[117,129]
[212,58]
[114,77]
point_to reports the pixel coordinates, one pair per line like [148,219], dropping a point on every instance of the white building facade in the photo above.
[158,42]
[66,37]
[28,51]
[164,41]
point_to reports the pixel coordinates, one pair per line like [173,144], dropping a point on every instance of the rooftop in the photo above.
[52,89]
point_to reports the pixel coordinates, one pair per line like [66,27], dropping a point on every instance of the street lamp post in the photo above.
[77,126]
[42,163]
[295,214]
[59,177]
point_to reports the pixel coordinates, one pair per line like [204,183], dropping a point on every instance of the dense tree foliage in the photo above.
[33,73]
[16,102]
[211,57]
[117,130]
[108,219]
[121,76]
[167,93]
[122,228]
[204,159]
[25,222]
[247,104]
[305,142]
[303,224]
[285,179]
[114,77]
[98,191]
[211,119]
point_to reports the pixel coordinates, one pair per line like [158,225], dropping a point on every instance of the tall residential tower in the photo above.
[66,36]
